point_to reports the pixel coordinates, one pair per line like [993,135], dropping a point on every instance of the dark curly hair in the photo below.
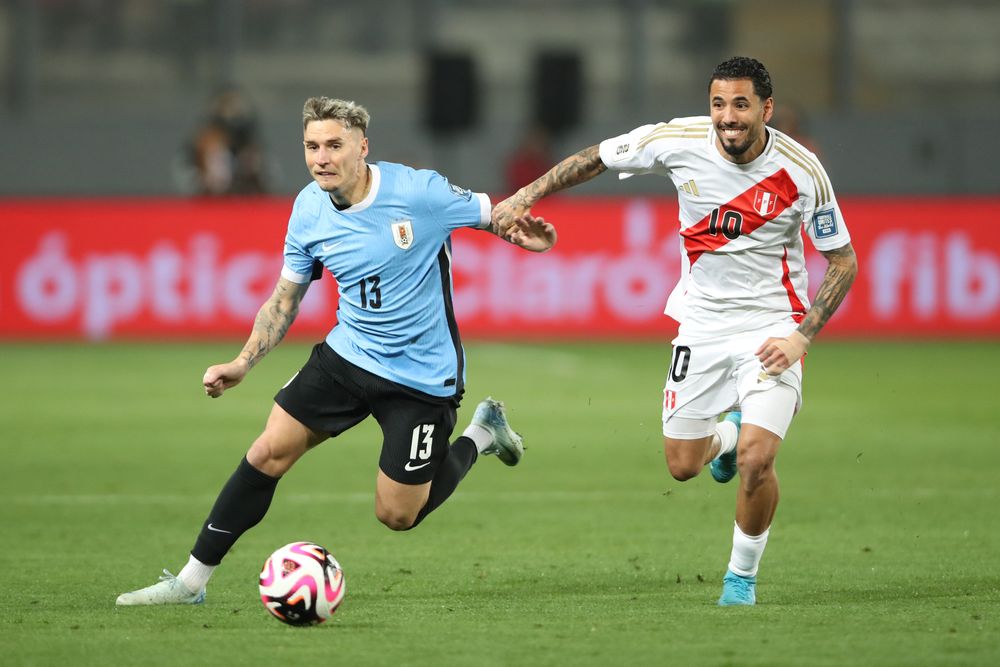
[741,67]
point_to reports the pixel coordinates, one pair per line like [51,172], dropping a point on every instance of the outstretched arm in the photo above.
[531,233]
[269,327]
[778,354]
[576,169]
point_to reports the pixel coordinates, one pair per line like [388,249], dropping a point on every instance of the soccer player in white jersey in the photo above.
[384,231]
[746,193]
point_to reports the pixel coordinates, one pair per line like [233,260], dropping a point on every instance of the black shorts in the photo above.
[330,395]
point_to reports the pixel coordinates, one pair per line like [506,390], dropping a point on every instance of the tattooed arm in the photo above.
[777,354]
[576,169]
[840,274]
[269,327]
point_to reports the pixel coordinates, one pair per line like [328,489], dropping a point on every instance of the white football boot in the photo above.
[169,590]
[507,444]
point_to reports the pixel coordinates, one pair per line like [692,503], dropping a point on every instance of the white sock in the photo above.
[747,551]
[726,433]
[195,574]
[478,435]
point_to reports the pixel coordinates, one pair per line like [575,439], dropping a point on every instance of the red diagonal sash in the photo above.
[698,238]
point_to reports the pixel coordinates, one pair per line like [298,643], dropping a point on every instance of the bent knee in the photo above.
[273,454]
[754,464]
[682,472]
[755,470]
[266,457]
[684,467]
[396,520]
[685,458]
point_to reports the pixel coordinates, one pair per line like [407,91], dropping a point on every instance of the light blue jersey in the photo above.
[391,256]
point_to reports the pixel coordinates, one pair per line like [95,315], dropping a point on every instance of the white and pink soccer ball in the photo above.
[301,584]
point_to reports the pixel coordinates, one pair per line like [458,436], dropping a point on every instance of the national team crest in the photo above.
[402,233]
[764,202]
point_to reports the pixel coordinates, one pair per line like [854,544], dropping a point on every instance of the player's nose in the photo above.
[322,156]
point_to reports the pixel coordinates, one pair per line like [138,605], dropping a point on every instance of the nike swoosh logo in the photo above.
[327,247]
[219,530]
[409,467]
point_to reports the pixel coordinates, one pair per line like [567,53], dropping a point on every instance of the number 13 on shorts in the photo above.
[422,442]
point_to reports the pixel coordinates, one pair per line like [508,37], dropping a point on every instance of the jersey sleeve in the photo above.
[299,266]
[822,218]
[632,154]
[454,207]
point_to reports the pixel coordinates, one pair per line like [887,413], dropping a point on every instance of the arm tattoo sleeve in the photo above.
[576,169]
[840,273]
[273,320]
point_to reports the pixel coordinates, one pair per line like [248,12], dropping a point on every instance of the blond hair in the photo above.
[351,114]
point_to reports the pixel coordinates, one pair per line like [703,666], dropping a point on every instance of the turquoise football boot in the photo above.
[723,468]
[737,590]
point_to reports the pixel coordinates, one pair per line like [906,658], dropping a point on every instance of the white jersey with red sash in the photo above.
[743,264]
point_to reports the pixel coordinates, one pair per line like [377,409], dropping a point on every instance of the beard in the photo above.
[738,149]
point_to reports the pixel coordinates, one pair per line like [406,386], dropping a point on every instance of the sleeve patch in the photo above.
[462,193]
[824,224]
[622,151]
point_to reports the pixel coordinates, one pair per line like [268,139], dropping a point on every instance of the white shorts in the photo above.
[709,376]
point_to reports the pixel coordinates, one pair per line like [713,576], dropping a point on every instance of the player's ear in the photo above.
[364,147]
[768,109]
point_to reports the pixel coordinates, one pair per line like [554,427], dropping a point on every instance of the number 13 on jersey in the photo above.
[371,295]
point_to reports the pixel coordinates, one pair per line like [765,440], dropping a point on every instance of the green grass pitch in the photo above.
[885,549]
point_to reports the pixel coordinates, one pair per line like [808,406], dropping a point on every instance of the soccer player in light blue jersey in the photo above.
[383,230]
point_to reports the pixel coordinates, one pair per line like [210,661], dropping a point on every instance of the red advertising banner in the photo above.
[104,269]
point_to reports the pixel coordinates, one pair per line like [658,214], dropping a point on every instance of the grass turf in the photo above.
[884,549]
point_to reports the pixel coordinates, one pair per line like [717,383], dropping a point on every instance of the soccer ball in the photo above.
[301,584]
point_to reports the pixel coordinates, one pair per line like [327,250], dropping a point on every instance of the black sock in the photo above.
[461,455]
[241,505]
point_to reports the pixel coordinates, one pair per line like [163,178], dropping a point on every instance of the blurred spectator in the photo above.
[787,118]
[225,156]
[531,159]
